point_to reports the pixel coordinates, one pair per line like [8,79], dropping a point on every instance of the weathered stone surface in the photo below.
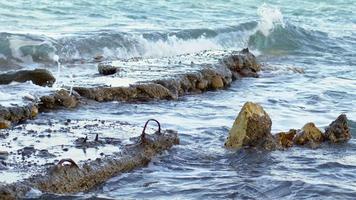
[152,91]
[4,124]
[68,177]
[285,139]
[107,69]
[61,98]
[10,115]
[217,83]
[309,134]
[338,131]
[41,77]
[251,128]
[243,63]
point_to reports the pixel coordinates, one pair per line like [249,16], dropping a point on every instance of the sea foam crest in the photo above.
[270,17]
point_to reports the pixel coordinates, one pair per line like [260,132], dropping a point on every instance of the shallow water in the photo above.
[167,36]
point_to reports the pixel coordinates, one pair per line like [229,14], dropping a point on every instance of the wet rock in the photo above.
[27,151]
[61,98]
[252,128]
[217,82]
[285,139]
[15,114]
[242,63]
[309,134]
[68,177]
[139,92]
[4,124]
[107,69]
[338,131]
[152,91]
[41,77]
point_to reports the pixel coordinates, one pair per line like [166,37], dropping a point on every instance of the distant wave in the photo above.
[270,34]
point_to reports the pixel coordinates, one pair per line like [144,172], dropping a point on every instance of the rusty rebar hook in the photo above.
[143,135]
[72,163]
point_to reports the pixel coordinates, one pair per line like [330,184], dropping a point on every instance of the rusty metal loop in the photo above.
[72,163]
[144,129]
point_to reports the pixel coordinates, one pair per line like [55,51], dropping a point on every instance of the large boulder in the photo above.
[309,134]
[338,131]
[41,77]
[252,128]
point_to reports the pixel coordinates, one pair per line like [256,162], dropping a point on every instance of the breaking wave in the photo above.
[269,34]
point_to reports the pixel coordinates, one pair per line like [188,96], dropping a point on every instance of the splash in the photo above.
[270,17]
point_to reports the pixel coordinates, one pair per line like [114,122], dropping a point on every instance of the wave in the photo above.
[268,35]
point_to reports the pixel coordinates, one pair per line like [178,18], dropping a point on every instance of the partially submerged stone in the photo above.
[107,69]
[15,114]
[70,177]
[4,124]
[285,139]
[309,134]
[252,127]
[61,98]
[41,77]
[242,63]
[338,131]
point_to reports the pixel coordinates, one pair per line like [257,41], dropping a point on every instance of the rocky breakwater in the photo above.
[210,77]
[252,128]
[15,114]
[69,177]
[9,115]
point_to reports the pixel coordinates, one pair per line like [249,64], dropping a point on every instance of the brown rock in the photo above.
[152,91]
[202,84]
[252,127]
[285,139]
[4,124]
[309,134]
[217,83]
[41,77]
[60,98]
[243,63]
[338,131]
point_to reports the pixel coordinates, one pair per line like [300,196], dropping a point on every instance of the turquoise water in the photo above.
[317,36]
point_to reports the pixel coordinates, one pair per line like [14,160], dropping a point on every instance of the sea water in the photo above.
[316,36]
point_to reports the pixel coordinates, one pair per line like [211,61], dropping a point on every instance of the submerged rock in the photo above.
[309,134]
[338,131]
[252,128]
[107,69]
[41,77]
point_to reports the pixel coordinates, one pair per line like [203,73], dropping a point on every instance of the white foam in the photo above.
[270,17]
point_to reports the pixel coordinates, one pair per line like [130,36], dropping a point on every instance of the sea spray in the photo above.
[270,17]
